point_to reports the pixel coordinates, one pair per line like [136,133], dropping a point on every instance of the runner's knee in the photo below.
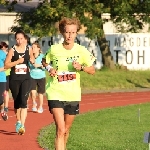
[24,102]
[67,130]
[60,132]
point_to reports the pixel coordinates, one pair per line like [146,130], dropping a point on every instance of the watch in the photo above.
[82,68]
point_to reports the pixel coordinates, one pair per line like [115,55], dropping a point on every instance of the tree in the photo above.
[8,4]
[128,15]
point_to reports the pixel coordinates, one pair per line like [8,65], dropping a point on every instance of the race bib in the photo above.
[21,69]
[66,76]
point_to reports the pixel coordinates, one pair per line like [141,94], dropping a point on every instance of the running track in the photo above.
[9,140]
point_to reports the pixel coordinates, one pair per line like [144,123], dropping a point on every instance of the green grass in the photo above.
[107,129]
[114,80]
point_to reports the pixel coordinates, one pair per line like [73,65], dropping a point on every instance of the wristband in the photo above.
[48,67]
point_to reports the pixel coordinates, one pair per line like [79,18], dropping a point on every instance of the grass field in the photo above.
[116,79]
[108,129]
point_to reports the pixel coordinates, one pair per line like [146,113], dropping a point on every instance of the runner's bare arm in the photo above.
[79,67]
[89,70]
[32,59]
[49,68]
[2,69]
[8,64]
[44,62]
[37,65]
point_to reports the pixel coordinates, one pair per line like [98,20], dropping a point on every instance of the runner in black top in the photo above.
[17,59]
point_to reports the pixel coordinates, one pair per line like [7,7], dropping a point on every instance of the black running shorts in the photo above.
[39,85]
[2,89]
[71,108]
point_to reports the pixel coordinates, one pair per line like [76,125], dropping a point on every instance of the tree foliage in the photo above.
[9,5]
[130,15]
[127,15]
[44,17]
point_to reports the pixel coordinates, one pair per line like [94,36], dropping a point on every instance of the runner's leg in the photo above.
[33,93]
[68,123]
[33,97]
[24,94]
[40,109]
[16,98]
[41,91]
[58,115]
[2,89]
[6,95]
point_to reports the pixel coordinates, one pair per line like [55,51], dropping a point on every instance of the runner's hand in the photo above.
[32,61]
[44,62]
[53,72]
[76,65]
[20,60]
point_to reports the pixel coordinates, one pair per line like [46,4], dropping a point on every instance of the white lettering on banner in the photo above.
[140,56]
[125,41]
[130,49]
[134,50]
[129,52]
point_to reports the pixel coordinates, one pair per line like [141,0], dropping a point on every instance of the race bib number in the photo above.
[21,69]
[66,76]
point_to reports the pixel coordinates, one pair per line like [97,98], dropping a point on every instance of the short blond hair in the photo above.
[68,21]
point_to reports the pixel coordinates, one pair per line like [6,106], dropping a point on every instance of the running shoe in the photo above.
[21,131]
[40,110]
[4,116]
[34,109]
[18,125]
[6,109]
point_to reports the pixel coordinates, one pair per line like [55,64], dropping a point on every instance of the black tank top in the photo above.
[20,71]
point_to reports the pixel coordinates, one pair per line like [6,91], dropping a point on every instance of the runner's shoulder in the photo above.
[80,48]
[56,46]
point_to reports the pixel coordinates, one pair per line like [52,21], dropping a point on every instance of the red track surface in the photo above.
[9,140]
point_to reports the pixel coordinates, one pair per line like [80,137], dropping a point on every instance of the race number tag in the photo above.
[21,69]
[66,76]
